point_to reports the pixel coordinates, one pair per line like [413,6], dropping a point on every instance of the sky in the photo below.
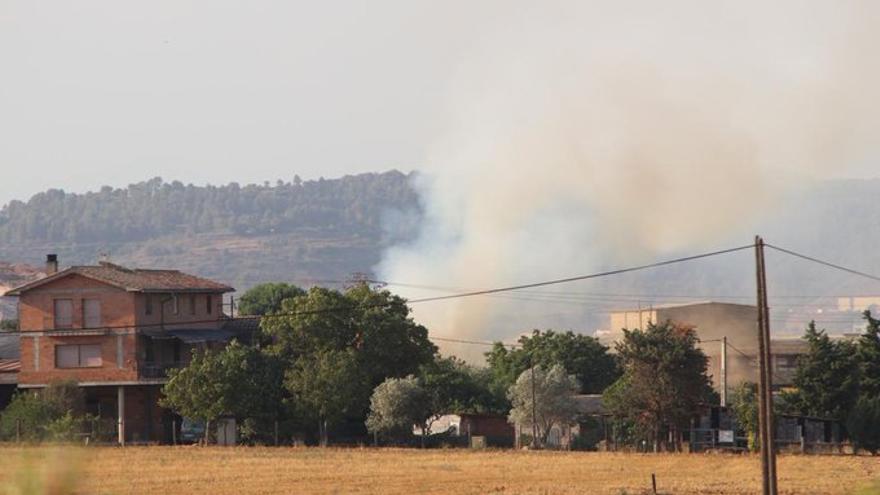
[110,92]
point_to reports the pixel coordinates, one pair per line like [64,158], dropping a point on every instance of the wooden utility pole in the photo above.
[724,371]
[765,382]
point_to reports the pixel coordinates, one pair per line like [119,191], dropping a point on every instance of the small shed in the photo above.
[494,428]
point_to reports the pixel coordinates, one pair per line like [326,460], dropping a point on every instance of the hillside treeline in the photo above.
[354,204]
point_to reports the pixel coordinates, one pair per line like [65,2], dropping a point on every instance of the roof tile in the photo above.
[134,279]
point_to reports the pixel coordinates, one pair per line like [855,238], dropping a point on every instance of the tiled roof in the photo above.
[134,279]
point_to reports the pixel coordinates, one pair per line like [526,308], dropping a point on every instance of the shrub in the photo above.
[54,413]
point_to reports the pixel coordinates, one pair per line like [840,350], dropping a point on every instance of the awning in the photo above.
[191,335]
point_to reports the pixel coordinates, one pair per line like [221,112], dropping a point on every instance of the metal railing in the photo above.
[157,369]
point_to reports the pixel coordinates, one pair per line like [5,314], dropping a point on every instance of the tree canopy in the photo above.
[397,405]
[542,398]
[155,207]
[664,380]
[826,378]
[455,387]
[375,324]
[326,385]
[840,379]
[581,355]
[237,380]
[868,357]
[266,298]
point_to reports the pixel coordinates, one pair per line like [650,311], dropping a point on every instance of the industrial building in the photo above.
[717,323]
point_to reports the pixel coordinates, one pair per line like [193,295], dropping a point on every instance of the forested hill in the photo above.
[305,231]
[154,208]
[324,228]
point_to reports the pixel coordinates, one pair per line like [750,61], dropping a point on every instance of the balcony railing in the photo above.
[157,370]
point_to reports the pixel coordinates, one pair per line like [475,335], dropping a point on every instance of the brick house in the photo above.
[116,331]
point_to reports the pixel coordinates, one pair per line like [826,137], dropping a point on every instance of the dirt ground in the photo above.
[257,470]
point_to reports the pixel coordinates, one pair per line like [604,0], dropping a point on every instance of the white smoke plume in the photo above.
[613,132]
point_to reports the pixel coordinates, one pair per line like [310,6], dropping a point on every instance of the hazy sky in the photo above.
[110,92]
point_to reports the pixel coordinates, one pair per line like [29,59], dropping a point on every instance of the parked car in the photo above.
[191,431]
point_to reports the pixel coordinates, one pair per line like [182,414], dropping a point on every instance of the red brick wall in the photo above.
[109,370]
[36,307]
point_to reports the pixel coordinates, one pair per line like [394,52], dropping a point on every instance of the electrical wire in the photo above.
[430,299]
[581,277]
[825,263]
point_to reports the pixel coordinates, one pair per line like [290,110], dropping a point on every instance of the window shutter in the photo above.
[67,356]
[92,313]
[90,356]
[63,313]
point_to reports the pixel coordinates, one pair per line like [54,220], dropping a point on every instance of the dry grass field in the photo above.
[180,470]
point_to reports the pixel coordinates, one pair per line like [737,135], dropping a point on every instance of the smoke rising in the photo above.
[589,135]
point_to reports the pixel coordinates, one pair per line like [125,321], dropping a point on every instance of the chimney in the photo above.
[51,264]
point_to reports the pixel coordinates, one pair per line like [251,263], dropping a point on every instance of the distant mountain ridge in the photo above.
[316,229]
[324,230]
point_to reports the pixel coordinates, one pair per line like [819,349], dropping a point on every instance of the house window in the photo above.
[786,361]
[63,313]
[148,307]
[78,356]
[91,313]
[192,304]
[209,303]
[175,304]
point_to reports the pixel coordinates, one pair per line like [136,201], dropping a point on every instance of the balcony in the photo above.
[154,370]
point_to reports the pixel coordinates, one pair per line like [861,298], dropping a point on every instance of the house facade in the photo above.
[116,331]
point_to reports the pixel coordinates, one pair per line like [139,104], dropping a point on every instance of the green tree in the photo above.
[863,423]
[326,385]
[8,325]
[237,381]
[664,381]
[542,398]
[581,355]
[397,405]
[455,387]
[868,356]
[54,413]
[375,325]
[266,298]
[744,405]
[826,377]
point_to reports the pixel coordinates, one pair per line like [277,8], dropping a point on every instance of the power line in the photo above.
[581,277]
[825,263]
[431,299]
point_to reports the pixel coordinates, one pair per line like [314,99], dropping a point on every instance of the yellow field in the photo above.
[180,470]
